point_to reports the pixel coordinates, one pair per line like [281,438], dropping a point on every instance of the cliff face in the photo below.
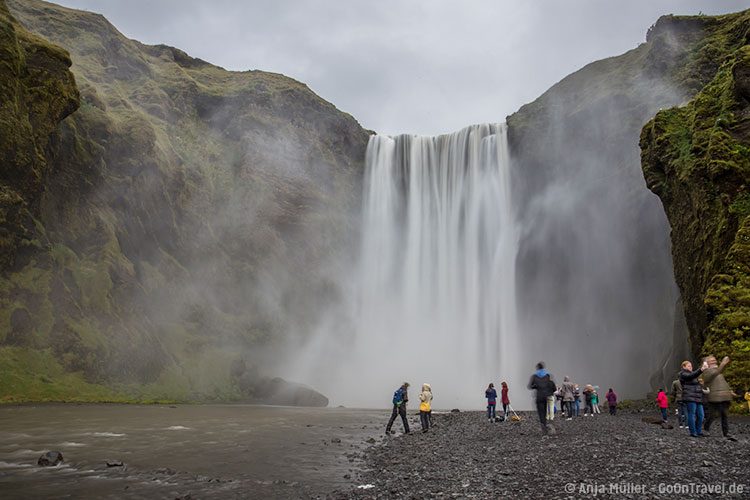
[37,91]
[184,217]
[696,158]
[594,263]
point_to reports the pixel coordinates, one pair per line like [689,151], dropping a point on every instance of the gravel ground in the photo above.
[465,456]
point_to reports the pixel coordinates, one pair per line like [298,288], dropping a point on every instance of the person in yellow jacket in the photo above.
[425,406]
[747,398]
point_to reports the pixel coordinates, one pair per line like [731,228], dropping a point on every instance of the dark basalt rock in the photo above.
[50,459]
[277,391]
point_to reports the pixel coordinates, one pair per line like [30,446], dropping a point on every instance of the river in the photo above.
[217,451]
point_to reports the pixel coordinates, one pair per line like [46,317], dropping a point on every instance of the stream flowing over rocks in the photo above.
[465,456]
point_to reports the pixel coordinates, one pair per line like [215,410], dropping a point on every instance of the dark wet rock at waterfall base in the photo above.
[114,463]
[50,459]
[274,391]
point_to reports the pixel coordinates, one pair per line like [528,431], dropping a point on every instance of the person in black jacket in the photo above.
[692,395]
[541,381]
[400,398]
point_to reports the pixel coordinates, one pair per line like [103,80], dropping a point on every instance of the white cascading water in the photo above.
[437,272]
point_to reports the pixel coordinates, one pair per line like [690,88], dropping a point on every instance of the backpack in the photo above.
[398,397]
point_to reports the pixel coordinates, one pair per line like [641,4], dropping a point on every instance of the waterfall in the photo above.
[437,271]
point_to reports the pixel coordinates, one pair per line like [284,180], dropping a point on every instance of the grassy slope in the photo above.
[171,190]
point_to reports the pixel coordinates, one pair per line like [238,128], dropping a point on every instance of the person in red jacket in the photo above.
[505,400]
[661,398]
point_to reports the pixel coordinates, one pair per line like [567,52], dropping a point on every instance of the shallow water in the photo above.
[222,451]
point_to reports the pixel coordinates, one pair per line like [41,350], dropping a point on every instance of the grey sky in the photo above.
[419,66]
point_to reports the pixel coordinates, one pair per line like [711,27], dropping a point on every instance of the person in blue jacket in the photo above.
[491,395]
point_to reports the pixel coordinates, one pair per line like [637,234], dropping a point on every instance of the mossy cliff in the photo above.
[696,158]
[596,263]
[183,218]
[37,91]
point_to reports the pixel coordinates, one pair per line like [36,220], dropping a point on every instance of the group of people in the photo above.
[401,397]
[698,393]
[568,395]
[491,395]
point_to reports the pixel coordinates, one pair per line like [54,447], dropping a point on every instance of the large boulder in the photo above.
[277,391]
[50,459]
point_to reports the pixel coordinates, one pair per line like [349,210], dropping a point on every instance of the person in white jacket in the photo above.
[425,406]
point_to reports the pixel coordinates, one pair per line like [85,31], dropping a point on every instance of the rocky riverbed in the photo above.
[621,456]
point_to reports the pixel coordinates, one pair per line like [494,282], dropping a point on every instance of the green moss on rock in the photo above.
[36,92]
[697,159]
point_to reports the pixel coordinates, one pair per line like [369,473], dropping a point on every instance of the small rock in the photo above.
[455,410]
[706,463]
[335,440]
[50,459]
[114,463]
[652,420]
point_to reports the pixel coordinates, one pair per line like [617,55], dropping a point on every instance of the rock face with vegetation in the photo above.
[153,238]
[696,158]
[594,266]
[38,91]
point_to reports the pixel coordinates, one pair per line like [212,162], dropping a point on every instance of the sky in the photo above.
[404,66]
